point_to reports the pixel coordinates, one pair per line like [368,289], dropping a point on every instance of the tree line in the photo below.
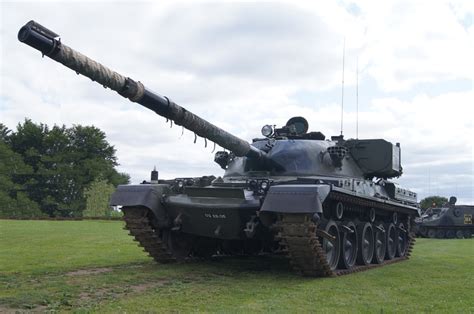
[52,171]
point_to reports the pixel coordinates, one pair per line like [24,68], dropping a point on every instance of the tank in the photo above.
[446,222]
[327,205]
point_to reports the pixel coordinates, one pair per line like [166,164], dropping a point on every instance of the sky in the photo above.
[242,65]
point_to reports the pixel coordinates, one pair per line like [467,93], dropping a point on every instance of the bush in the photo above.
[97,200]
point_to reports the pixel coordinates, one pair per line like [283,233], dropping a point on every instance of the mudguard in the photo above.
[148,195]
[307,198]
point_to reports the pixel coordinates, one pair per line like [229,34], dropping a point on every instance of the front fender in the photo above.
[147,195]
[296,199]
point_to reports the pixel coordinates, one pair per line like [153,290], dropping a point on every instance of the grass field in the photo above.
[85,266]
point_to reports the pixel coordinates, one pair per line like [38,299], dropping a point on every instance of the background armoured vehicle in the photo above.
[448,221]
[325,204]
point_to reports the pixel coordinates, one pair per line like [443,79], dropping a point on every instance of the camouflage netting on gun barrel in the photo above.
[90,68]
[117,82]
[208,130]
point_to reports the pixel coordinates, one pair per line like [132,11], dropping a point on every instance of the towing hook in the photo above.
[177,223]
[251,227]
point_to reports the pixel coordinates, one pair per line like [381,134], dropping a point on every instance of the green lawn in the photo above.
[85,266]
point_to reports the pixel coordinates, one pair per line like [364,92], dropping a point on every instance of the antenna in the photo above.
[342,93]
[357,99]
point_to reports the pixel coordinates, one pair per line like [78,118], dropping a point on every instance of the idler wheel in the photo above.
[348,245]
[459,234]
[332,247]
[365,233]
[402,240]
[450,234]
[380,244]
[179,244]
[391,235]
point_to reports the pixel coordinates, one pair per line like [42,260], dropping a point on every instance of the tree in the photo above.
[428,202]
[14,202]
[64,161]
[4,131]
[28,141]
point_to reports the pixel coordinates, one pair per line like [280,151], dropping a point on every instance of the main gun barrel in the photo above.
[48,42]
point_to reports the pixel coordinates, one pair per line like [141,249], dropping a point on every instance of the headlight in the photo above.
[267,130]
[180,184]
[264,185]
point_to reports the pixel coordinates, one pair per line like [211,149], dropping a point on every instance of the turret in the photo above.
[49,44]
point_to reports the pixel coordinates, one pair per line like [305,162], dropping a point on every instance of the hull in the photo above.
[447,223]
[320,228]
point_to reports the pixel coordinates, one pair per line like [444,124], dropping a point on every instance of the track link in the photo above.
[298,239]
[139,226]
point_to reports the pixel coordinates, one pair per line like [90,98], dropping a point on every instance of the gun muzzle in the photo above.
[38,37]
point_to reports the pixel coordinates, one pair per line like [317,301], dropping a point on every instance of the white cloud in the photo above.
[411,42]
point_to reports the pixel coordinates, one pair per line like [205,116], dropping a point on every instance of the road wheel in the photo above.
[432,233]
[332,247]
[365,234]
[467,234]
[440,234]
[424,231]
[402,240]
[348,245]
[450,234]
[380,244]
[391,235]
[459,234]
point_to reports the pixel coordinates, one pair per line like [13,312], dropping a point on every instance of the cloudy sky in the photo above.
[241,65]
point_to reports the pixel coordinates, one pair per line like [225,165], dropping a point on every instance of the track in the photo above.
[139,226]
[298,238]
